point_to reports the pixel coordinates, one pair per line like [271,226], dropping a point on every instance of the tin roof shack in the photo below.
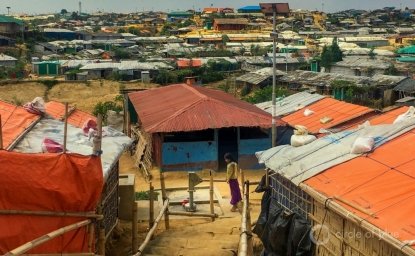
[7,61]
[230,24]
[405,88]
[47,68]
[361,201]
[59,34]
[360,66]
[192,127]
[257,79]
[10,26]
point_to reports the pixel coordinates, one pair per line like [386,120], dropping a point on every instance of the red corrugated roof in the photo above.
[76,117]
[183,63]
[339,111]
[382,182]
[15,121]
[182,107]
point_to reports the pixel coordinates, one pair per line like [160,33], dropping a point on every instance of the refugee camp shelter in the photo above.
[192,127]
[46,68]
[25,133]
[355,204]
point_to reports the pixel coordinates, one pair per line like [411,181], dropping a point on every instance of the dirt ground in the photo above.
[84,95]
[121,242]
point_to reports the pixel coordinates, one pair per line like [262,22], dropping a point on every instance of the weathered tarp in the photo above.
[47,182]
[300,163]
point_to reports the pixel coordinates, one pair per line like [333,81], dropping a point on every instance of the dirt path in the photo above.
[187,236]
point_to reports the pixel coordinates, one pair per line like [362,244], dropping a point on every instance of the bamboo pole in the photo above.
[1,135]
[245,241]
[101,241]
[151,210]
[91,215]
[153,229]
[65,129]
[45,238]
[338,209]
[101,233]
[357,207]
[97,141]
[211,201]
[164,196]
[194,214]
[63,254]
[91,236]
[135,227]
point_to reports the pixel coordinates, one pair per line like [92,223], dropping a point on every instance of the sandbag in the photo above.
[363,145]
[301,140]
[300,130]
[410,113]
[308,112]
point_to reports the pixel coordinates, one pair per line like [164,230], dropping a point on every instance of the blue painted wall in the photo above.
[190,156]
[247,149]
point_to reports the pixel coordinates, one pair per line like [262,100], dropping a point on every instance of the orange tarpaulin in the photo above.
[47,182]
[14,121]
[76,117]
[336,111]
[383,182]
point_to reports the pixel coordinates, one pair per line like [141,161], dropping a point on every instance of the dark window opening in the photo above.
[205,135]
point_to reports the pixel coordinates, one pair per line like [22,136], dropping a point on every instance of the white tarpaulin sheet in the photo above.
[113,141]
[301,163]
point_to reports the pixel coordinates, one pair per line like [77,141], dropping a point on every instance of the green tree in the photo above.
[265,94]
[64,12]
[326,58]
[121,30]
[336,53]
[134,31]
[372,53]
[120,53]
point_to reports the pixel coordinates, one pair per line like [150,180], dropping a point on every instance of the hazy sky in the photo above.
[48,6]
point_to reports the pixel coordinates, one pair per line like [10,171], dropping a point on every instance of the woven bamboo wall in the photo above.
[345,237]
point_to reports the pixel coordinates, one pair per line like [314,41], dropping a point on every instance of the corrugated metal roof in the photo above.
[76,117]
[407,85]
[258,76]
[15,121]
[239,21]
[182,107]
[291,103]
[4,57]
[338,111]
[388,117]
[184,63]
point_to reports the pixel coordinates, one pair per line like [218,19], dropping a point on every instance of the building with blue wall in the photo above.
[192,127]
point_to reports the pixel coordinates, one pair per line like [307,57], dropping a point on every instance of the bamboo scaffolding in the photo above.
[245,241]
[91,215]
[153,229]
[91,233]
[40,240]
[335,207]
[211,201]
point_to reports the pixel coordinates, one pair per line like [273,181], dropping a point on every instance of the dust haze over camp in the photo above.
[189,127]
[47,6]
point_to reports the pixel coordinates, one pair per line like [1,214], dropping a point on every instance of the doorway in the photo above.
[227,143]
